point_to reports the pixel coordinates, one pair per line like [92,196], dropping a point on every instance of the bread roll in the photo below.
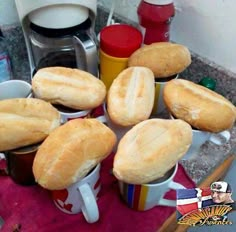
[71,151]
[201,107]
[131,96]
[73,88]
[25,121]
[150,149]
[163,58]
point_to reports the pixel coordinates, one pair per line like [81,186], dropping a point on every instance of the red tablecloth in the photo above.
[32,209]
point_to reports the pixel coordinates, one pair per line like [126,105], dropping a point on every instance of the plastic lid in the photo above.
[159,2]
[120,40]
[208,83]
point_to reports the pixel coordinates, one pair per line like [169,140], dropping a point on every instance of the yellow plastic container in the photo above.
[110,67]
[117,43]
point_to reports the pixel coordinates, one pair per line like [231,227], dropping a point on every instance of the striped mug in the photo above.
[146,196]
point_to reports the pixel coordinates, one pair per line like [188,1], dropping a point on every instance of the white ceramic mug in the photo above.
[66,116]
[69,114]
[15,89]
[118,129]
[146,196]
[201,137]
[81,196]
[159,105]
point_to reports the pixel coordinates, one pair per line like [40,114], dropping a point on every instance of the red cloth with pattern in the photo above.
[32,209]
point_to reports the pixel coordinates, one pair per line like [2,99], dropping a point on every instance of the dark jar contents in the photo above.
[65,109]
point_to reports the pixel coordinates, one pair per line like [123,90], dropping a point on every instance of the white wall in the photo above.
[207,27]
[8,13]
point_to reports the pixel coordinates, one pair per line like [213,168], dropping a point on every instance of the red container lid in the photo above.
[120,40]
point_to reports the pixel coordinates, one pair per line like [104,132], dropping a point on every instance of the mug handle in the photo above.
[85,44]
[89,206]
[3,171]
[220,138]
[175,186]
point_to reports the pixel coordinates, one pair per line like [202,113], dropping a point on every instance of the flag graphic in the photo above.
[189,200]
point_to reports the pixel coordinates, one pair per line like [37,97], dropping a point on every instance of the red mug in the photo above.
[18,164]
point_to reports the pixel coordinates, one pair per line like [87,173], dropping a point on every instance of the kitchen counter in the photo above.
[209,158]
[210,155]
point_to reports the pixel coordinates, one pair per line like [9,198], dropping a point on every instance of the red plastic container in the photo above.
[155,17]
[120,40]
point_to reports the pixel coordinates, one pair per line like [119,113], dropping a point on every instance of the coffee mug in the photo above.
[19,164]
[159,105]
[15,89]
[146,196]
[201,137]
[81,196]
[119,130]
[70,114]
